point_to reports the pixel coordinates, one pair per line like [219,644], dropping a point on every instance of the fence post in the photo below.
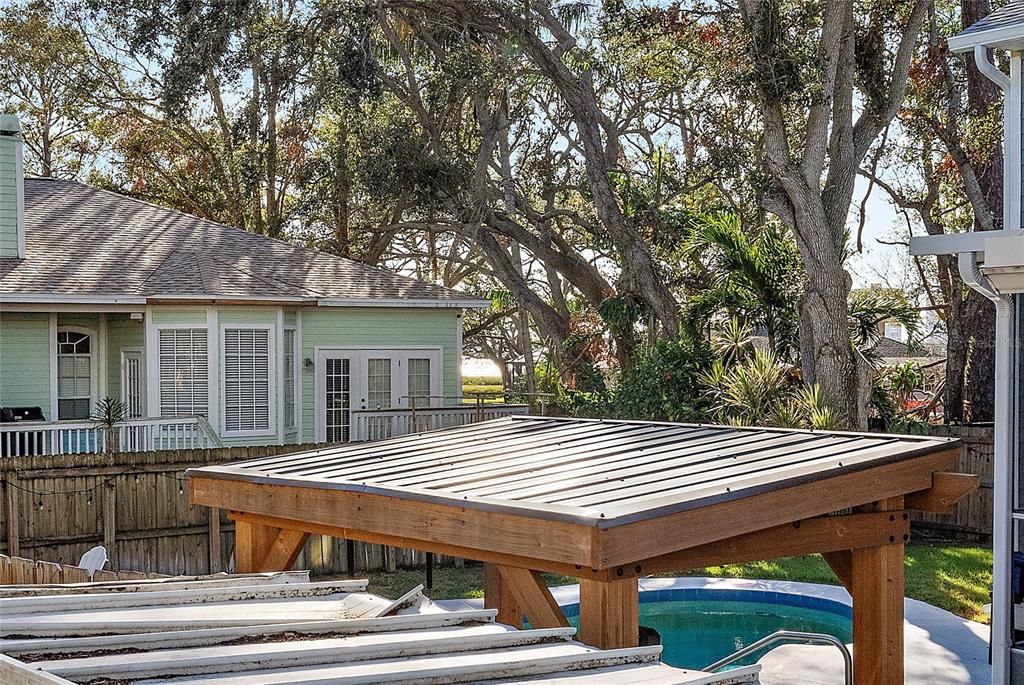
[110,523]
[214,543]
[11,513]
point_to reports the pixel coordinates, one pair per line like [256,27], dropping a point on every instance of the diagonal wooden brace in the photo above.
[947,489]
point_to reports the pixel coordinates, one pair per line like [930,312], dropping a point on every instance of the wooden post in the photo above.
[610,613]
[110,524]
[253,543]
[498,595]
[214,539]
[878,589]
[11,514]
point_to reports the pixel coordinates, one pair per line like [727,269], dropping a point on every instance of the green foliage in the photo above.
[755,280]
[663,385]
[47,78]
[869,308]
[110,411]
[760,390]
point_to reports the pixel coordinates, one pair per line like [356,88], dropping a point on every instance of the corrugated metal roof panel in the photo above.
[613,471]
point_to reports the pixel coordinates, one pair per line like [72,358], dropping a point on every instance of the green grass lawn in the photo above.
[954,577]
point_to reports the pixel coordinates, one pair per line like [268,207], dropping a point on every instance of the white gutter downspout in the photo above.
[1002,468]
[1003,471]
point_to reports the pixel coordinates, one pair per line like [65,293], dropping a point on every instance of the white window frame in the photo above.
[294,380]
[154,403]
[399,376]
[271,429]
[94,356]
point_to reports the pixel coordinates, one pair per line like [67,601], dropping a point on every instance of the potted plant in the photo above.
[109,412]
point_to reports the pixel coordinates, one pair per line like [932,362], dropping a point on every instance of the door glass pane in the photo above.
[378,383]
[338,404]
[419,378]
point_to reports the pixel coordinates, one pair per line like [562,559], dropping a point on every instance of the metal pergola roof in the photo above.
[600,472]
[608,502]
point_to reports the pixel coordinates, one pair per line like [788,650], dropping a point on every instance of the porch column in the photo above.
[610,613]
[878,590]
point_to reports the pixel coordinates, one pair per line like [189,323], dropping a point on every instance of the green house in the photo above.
[207,333]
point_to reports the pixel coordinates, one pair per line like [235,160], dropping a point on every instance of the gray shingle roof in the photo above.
[1006,23]
[83,241]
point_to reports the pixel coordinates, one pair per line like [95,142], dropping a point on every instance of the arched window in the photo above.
[74,374]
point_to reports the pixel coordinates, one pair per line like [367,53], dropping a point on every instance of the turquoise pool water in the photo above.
[697,628]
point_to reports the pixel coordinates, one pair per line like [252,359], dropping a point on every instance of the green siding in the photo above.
[89,321]
[242,316]
[122,332]
[367,328]
[25,360]
[178,315]
[8,199]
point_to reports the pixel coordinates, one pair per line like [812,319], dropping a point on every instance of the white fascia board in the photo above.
[60,298]
[1003,37]
[214,299]
[468,303]
[955,243]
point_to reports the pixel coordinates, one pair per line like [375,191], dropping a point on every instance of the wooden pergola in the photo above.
[608,502]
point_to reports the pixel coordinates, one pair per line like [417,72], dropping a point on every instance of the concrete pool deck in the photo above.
[941,648]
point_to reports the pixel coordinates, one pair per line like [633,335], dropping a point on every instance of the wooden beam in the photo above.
[609,613]
[947,489]
[284,551]
[821,534]
[498,595]
[421,545]
[252,544]
[629,543]
[526,536]
[534,597]
[878,589]
[841,563]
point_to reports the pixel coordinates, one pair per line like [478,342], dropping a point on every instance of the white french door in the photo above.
[371,379]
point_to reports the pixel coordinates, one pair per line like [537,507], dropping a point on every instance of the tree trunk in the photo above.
[982,96]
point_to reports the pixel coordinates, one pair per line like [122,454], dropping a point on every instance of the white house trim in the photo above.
[467,303]
[1007,37]
[53,367]
[19,194]
[278,397]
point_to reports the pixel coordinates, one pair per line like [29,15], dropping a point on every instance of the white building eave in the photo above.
[110,303]
[1003,37]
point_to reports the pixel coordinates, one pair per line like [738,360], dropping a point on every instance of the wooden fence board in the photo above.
[134,504]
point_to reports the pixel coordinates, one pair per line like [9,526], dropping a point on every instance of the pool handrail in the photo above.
[777,638]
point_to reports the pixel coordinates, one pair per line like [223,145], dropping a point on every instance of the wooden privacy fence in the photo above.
[136,505]
[972,518]
[19,571]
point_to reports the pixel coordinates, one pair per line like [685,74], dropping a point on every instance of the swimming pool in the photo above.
[699,626]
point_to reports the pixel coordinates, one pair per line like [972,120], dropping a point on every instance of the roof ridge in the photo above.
[141,287]
[269,280]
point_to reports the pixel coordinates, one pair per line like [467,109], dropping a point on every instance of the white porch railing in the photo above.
[23,438]
[377,424]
